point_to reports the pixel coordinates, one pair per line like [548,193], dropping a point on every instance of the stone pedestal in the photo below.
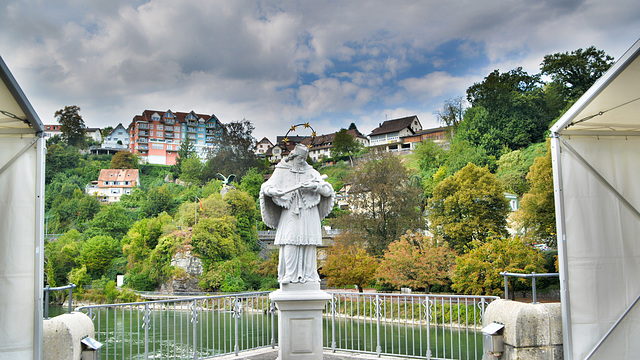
[300,320]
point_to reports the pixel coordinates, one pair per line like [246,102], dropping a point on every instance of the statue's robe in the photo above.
[297,217]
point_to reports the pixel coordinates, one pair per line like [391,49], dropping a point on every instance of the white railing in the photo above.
[414,326]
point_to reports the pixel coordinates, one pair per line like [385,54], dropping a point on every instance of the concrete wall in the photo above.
[62,335]
[531,331]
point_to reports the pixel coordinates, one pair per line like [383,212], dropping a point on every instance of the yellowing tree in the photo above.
[478,272]
[470,205]
[416,261]
[349,264]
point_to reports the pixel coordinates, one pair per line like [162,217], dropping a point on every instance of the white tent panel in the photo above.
[17,249]
[21,223]
[602,251]
[596,149]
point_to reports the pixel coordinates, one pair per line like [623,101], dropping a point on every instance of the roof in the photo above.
[91,129]
[324,141]
[394,125]
[611,106]
[16,113]
[119,175]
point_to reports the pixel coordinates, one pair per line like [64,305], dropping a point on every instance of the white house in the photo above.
[390,134]
[118,138]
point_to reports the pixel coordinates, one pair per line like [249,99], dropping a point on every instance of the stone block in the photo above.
[62,334]
[531,331]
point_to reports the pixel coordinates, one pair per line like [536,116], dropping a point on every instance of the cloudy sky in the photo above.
[279,63]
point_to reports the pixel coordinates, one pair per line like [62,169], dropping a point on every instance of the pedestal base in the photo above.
[300,320]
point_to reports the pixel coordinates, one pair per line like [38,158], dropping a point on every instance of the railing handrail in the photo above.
[533,277]
[47,289]
[185,299]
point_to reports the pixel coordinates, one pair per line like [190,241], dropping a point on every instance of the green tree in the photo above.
[513,168]
[478,272]
[416,262]
[160,199]
[97,253]
[348,264]
[113,220]
[537,207]
[72,126]
[251,182]
[234,153]
[384,203]
[61,256]
[345,144]
[509,110]
[243,207]
[577,71]
[470,205]
[191,170]
[60,158]
[216,239]
[124,160]
[187,150]
[106,131]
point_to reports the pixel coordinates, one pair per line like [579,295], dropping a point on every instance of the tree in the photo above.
[478,272]
[470,205]
[348,264]
[60,158]
[187,150]
[160,199]
[61,256]
[97,254]
[216,239]
[243,207]
[537,208]
[234,153]
[417,262]
[191,170]
[124,160]
[112,220]
[513,168]
[251,182]
[106,131]
[383,203]
[509,110]
[72,126]
[452,112]
[577,71]
[345,144]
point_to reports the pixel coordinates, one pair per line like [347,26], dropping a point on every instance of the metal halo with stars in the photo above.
[293,129]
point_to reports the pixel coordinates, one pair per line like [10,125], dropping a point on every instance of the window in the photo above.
[150,133]
[159,133]
[159,127]
[157,146]
[115,191]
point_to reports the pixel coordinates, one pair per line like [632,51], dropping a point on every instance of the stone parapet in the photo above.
[62,335]
[531,331]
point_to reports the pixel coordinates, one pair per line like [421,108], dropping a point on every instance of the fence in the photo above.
[47,289]
[532,276]
[418,326]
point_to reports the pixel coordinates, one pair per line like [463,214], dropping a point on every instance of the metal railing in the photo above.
[49,289]
[533,277]
[413,326]
[192,328]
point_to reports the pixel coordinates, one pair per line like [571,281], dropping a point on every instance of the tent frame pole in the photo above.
[562,247]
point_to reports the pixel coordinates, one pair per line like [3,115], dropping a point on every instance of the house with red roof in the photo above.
[391,133]
[113,183]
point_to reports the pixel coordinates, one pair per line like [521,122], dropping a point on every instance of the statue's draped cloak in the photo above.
[297,214]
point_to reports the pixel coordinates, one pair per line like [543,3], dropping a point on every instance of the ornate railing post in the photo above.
[272,311]
[333,323]
[146,323]
[194,324]
[237,313]
[378,314]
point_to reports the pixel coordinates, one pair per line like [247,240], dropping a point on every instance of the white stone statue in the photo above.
[294,201]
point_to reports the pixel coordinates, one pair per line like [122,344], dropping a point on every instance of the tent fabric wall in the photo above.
[17,248]
[596,150]
[22,157]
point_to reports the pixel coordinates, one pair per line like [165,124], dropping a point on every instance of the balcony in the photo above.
[211,138]
[143,133]
[169,121]
[142,147]
[191,129]
[143,126]
[210,132]
[143,140]
[192,123]
[169,136]
[192,137]
[168,128]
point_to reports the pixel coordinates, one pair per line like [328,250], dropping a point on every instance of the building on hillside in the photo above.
[118,138]
[440,136]
[156,135]
[390,134]
[94,134]
[52,130]
[113,183]
[263,146]
[321,145]
[283,145]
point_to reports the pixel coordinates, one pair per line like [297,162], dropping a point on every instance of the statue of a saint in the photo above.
[294,201]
